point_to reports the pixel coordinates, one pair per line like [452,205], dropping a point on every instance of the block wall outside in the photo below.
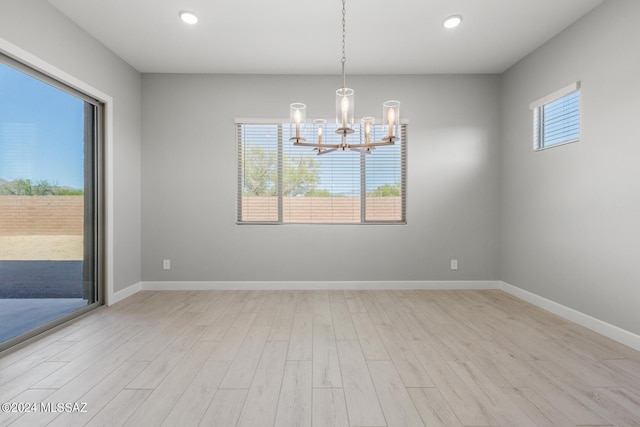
[321,209]
[41,215]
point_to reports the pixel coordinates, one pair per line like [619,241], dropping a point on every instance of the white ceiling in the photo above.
[304,36]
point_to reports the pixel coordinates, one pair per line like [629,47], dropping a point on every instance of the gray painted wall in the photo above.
[571,214]
[38,28]
[189,182]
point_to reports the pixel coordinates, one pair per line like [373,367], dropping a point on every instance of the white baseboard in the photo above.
[603,328]
[114,297]
[318,285]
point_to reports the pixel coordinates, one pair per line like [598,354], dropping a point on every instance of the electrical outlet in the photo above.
[454,264]
[166,264]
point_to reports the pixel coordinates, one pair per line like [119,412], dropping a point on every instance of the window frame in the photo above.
[281,125]
[538,107]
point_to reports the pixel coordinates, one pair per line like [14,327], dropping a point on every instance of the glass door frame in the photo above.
[97,199]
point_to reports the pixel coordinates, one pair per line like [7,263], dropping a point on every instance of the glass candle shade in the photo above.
[344,108]
[391,118]
[319,126]
[297,118]
[366,129]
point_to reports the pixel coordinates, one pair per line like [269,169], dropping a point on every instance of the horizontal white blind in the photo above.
[258,172]
[385,179]
[320,189]
[557,121]
[281,183]
[561,120]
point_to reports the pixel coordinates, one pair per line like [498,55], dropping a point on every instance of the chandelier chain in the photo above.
[344,36]
[344,30]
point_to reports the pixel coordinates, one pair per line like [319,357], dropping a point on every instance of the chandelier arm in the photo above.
[360,150]
[320,153]
[378,144]
[315,145]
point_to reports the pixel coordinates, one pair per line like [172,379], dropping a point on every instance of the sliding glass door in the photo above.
[50,202]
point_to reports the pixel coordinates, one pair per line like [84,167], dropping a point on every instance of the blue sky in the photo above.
[41,131]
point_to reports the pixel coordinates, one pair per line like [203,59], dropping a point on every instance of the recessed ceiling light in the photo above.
[188,17]
[452,21]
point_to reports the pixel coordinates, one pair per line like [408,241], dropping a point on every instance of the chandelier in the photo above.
[345,117]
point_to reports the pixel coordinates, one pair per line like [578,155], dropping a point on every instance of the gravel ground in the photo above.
[40,248]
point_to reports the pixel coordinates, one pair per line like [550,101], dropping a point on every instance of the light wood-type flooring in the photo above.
[323,358]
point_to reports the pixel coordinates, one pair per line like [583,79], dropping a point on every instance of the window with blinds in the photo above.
[556,118]
[279,183]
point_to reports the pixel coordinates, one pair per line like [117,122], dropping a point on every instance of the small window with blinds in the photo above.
[279,183]
[556,118]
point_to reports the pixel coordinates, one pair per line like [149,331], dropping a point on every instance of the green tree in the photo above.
[300,174]
[24,187]
[43,188]
[386,190]
[21,187]
[318,192]
[260,172]
[68,192]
